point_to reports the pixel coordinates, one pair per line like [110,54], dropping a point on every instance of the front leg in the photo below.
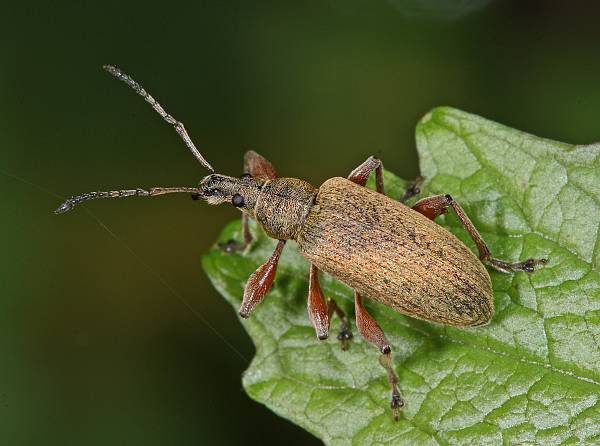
[260,282]
[258,166]
[432,207]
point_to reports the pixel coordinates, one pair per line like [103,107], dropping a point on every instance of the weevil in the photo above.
[383,249]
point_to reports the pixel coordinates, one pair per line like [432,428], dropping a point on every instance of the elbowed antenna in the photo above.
[74,201]
[121,75]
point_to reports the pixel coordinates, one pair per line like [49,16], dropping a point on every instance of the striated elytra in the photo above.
[392,254]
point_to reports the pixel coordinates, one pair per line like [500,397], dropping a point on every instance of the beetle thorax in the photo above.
[283,205]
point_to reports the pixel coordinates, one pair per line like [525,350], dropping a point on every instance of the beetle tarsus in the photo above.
[344,336]
[396,404]
[412,190]
[529,265]
[372,332]
[231,246]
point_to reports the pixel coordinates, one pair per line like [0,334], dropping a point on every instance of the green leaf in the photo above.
[532,376]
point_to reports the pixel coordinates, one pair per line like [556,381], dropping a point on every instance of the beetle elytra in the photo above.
[383,249]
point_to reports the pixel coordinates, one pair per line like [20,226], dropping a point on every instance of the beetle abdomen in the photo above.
[395,255]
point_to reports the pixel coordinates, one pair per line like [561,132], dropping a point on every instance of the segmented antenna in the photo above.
[119,74]
[74,201]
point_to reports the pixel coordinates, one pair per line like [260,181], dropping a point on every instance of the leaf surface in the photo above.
[532,376]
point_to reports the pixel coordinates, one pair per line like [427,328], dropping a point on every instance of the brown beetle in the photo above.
[381,248]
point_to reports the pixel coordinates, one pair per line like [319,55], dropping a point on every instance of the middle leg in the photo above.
[361,174]
[320,311]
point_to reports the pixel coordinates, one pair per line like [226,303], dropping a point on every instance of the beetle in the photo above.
[394,254]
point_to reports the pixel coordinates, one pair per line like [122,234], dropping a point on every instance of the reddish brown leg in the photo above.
[235,246]
[360,175]
[260,282]
[317,307]
[320,311]
[258,166]
[370,330]
[246,229]
[432,207]
[255,165]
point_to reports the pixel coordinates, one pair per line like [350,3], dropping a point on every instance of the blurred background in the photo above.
[103,338]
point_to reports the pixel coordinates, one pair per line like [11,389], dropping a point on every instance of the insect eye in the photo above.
[237,200]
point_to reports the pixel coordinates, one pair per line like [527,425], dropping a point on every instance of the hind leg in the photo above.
[433,207]
[370,330]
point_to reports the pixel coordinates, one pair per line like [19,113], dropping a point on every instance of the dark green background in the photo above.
[97,343]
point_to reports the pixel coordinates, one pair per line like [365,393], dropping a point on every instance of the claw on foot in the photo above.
[396,404]
[344,337]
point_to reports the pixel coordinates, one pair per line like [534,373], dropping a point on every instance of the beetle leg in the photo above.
[246,229]
[370,330]
[317,307]
[432,207]
[320,312]
[413,189]
[360,175]
[260,282]
[345,334]
[235,246]
[258,166]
